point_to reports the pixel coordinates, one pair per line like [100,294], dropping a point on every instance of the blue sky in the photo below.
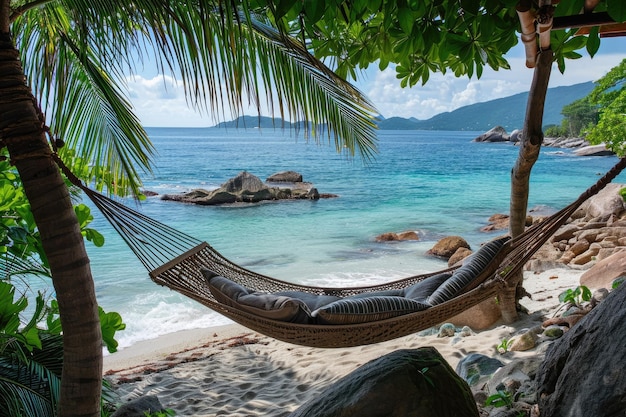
[160,101]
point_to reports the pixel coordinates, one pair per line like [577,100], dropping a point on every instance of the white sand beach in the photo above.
[233,371]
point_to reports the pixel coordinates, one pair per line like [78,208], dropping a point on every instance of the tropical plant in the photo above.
[610,95]
[69,58]
[163,413]
[578,116]
[500,399]
[503,399]
[31,359]
[575,296]
[504,345]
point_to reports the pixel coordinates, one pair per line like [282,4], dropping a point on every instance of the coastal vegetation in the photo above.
[31,341]
[62,66]
[598,116]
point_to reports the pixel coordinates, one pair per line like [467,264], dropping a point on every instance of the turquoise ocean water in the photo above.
[436,183]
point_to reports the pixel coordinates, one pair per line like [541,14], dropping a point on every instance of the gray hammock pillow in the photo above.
[423,289]
[271,306]
[471,268]
[367,309]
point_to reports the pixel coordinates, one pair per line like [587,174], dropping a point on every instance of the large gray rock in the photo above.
[606,203]
[247,188]
[496,134]
[139,407]
[516,135]
[474,367]
[285,176]
[411,382]
[244,181]
[604,272]
[446,246]
[582,374]
[594,150]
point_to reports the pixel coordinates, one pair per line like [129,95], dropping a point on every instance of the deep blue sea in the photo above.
[435,183]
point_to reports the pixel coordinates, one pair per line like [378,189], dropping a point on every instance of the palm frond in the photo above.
[21,393]
[319,94]
[30,381]
[12,265]
[83,97]
[76,54]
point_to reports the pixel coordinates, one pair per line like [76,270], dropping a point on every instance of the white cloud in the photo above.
[160,101]
[446,92]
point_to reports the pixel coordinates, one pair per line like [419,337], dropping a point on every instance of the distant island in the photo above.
[507,112]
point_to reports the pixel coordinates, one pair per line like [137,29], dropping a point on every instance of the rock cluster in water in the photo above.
[581,146]
[247,188]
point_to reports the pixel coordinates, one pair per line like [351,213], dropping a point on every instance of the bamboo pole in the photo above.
[544,24]
[529,34]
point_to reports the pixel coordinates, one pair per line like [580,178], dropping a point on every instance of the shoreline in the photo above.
[231,370]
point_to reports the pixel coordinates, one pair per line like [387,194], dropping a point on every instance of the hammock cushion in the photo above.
[423,289]
[271,306]
[383,293]
[471,268]
[313,301]
[362,310]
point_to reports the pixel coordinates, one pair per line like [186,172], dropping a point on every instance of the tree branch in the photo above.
[25,7]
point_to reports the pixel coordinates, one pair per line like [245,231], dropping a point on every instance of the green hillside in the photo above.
[251,122]
[507,112]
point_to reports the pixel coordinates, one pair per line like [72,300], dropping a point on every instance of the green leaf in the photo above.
[314,10]
[17,234]
[84,215]
[568,8]
[585,293]
[10,309]
[94,236]
[283,7]
[617,10]
[32,339]
[575,43]
[593,41]
[53,321]
[110,323]
[406,20]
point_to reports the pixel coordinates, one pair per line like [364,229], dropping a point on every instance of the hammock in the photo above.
[181,262]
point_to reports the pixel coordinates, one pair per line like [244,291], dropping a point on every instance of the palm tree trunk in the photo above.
[21,131]
[530,145]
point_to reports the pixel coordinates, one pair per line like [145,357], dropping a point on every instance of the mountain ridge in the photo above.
[507,112]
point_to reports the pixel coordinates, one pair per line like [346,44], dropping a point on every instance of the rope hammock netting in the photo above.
[188,265]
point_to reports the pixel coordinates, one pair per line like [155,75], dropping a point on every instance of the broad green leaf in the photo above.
[593,41]
[53,321]
[575,43]
[10,309]
[617,10]
[84,215]
[94,236]
[31,338]
[569,7]
[110,323]
[406,20]
[314,10]
[283,7]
